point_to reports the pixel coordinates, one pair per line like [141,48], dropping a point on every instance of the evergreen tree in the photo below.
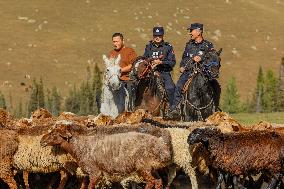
[97,89]
[270,94]
[48,103]
[280,97]
[2,101]
[36,100]
[259,91]
[231,102]
[84,102]
[40,94]
[72,102]
[33,101]
[55,101]
[19,110]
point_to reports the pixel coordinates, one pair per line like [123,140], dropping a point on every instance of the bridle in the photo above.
[107,80]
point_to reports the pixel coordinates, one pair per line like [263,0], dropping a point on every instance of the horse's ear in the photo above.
[117,60]
[105,58]
[219,52]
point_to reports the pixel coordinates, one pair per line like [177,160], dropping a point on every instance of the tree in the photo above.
[33,101]
[55,101]
[48,103]
[270,92]
[37,96]
[2,101]
[40,94]
[231,102]
[19,110]
[72,102]
[258,98]
[97,89]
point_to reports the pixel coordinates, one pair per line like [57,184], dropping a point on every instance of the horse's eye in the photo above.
[107,70]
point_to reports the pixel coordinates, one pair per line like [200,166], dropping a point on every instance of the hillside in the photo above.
[57,40]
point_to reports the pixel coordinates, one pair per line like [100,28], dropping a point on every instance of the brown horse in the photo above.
[149,87]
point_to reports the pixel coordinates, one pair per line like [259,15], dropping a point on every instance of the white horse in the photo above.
[114,95]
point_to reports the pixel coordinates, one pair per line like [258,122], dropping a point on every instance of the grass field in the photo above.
[251,118]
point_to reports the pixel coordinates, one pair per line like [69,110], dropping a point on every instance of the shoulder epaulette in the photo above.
[168,44]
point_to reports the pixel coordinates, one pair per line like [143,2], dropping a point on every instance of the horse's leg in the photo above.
[236,181]
[219,180]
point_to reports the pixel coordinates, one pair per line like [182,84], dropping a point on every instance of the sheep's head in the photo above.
[202,135]
[55,137]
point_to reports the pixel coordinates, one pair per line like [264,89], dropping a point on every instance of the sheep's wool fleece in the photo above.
[181,153]
[31,156]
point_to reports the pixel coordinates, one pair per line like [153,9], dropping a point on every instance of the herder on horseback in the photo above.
[193,55]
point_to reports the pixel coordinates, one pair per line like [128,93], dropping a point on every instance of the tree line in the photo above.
[268,95]
[82,100]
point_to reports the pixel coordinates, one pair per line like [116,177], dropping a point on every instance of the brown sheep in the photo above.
[8,147]
[242,153]
[6,120]
[114,155]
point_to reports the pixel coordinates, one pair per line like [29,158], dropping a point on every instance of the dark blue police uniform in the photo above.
[164,52]
[191,50]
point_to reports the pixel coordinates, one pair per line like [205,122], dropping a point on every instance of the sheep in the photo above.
[124,128]
[113,156]
[8,146]
[242,153]
[6,120]
[31,157]
[181,155]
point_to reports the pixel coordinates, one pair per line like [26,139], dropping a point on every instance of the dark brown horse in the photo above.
[150,91]
[201,99]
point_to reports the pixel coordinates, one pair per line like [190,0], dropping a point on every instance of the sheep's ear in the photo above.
[117,60]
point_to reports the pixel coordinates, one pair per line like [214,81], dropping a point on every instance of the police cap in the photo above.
[158,30]
[195,26]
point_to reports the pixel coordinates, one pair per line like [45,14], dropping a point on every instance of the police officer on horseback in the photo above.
[194,53]
[163,60]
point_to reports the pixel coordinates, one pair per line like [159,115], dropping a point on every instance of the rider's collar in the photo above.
[158,45]
[195,42]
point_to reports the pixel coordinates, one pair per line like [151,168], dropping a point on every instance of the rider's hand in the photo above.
[197,59]
[157,61]
[181,70]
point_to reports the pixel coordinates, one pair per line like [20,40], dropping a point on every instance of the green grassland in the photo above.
[254,118]
[58,39]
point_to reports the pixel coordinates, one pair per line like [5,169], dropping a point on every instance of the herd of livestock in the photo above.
[138,150]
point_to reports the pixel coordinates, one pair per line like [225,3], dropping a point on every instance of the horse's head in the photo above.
[212,63]
[141,68]
[112,72]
